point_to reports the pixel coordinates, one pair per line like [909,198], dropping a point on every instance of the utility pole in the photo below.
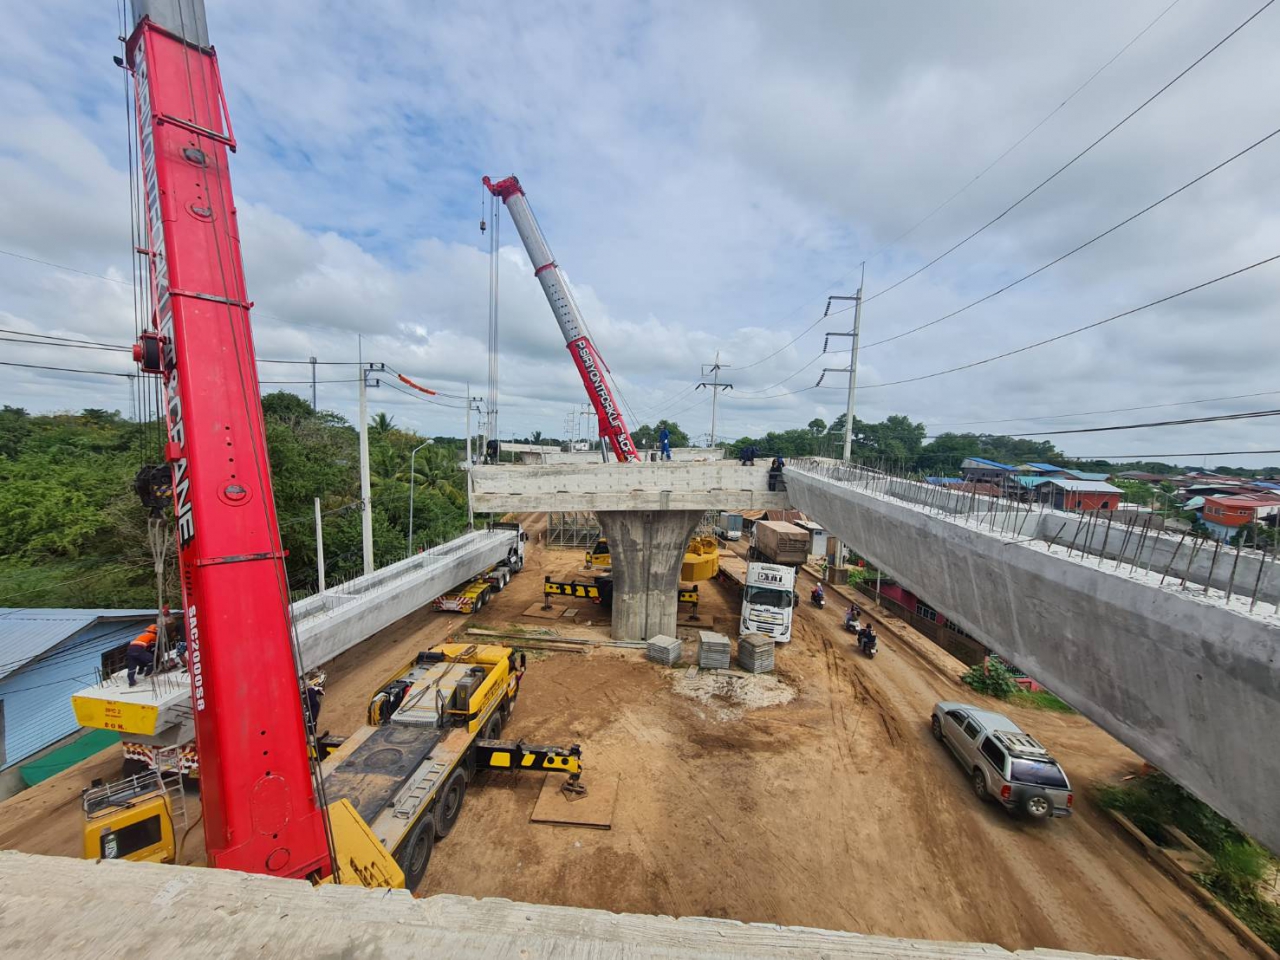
[716,386]
[852,370]
[319,546]
[366,500]
[313,383]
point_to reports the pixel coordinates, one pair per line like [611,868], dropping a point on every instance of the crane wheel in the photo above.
[450,803]
[493,729]
[416,853]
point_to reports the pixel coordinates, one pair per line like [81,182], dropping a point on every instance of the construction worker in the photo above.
[665,439]
[775,474]
[141,654]
[315,690]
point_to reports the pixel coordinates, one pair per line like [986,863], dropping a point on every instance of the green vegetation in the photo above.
[72,532]
[992,678]
[646,437]
[1239,864]
[1040,699]
[995,679]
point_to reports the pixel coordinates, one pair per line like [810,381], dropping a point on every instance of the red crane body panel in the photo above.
[260,809]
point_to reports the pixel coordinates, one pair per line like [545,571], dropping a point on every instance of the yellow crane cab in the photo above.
[598,556]
[131,819]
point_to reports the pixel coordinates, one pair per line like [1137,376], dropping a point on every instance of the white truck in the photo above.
[729,526]
[768,601]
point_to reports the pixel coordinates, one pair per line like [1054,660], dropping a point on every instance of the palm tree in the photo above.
[382,424]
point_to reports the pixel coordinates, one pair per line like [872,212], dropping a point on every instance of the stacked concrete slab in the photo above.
[663,650]
[755,653]
[715,650]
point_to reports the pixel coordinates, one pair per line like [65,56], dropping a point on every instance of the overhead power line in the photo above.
[1071,333]
[982,173]
[1089,413]
[1053,176]
[1026,136]
[1250,415]
[41,366]
[1110,230]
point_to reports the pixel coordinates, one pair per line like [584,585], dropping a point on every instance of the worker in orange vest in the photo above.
[141,654]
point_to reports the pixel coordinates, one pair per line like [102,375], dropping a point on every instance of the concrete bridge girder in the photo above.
[1185,681]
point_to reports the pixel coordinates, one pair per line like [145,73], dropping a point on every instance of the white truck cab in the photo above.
[768,601]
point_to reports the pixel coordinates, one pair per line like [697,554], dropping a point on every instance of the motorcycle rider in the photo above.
[818,596]
[851,617]
[867,639]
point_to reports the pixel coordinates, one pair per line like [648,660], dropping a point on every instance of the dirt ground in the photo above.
[834,809]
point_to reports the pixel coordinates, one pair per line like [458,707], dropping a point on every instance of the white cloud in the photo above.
[706,174]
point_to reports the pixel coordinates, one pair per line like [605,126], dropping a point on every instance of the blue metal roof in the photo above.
[943,481]
[1047,467]
[1264,484]
[1032,481]
[1082,475]
[26,633]
[989,463]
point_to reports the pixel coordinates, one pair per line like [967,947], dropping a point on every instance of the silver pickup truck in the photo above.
[1004,763]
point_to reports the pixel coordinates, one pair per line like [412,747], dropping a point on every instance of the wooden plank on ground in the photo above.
[555,613]
[595,810]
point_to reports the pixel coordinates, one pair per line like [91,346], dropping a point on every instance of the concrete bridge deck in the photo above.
[1183,676]
[61,908]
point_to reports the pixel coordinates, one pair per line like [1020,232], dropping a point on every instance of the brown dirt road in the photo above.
[835,810]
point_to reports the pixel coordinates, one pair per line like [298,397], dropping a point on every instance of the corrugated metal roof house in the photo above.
[46,655]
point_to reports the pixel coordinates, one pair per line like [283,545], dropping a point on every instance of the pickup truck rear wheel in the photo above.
[416,853]
[450,803]
[979,781]
[936,727]
[1036,806]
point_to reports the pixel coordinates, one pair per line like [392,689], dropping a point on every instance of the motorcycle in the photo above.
[851,624]
[819,600]
[868,645]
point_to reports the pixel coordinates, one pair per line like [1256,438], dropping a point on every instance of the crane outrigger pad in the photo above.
[595,810]
[380,765]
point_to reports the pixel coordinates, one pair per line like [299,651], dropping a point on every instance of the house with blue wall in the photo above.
[46,655]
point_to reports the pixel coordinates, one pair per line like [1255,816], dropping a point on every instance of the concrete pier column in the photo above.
[646,548]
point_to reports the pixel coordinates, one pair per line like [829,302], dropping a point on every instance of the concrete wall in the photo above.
[1188,683]
[718,485]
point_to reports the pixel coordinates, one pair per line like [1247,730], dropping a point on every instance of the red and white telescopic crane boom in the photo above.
[261,812]
[576,336]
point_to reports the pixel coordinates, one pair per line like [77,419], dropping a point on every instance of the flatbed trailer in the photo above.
[733,570]
[430,728]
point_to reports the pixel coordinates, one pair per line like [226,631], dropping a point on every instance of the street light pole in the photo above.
[413,477]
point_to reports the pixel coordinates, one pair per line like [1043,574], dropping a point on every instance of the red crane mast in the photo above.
[261,812]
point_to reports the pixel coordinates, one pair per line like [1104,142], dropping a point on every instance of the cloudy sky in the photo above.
[706,173]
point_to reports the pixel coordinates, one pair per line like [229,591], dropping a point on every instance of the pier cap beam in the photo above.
[707,485]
